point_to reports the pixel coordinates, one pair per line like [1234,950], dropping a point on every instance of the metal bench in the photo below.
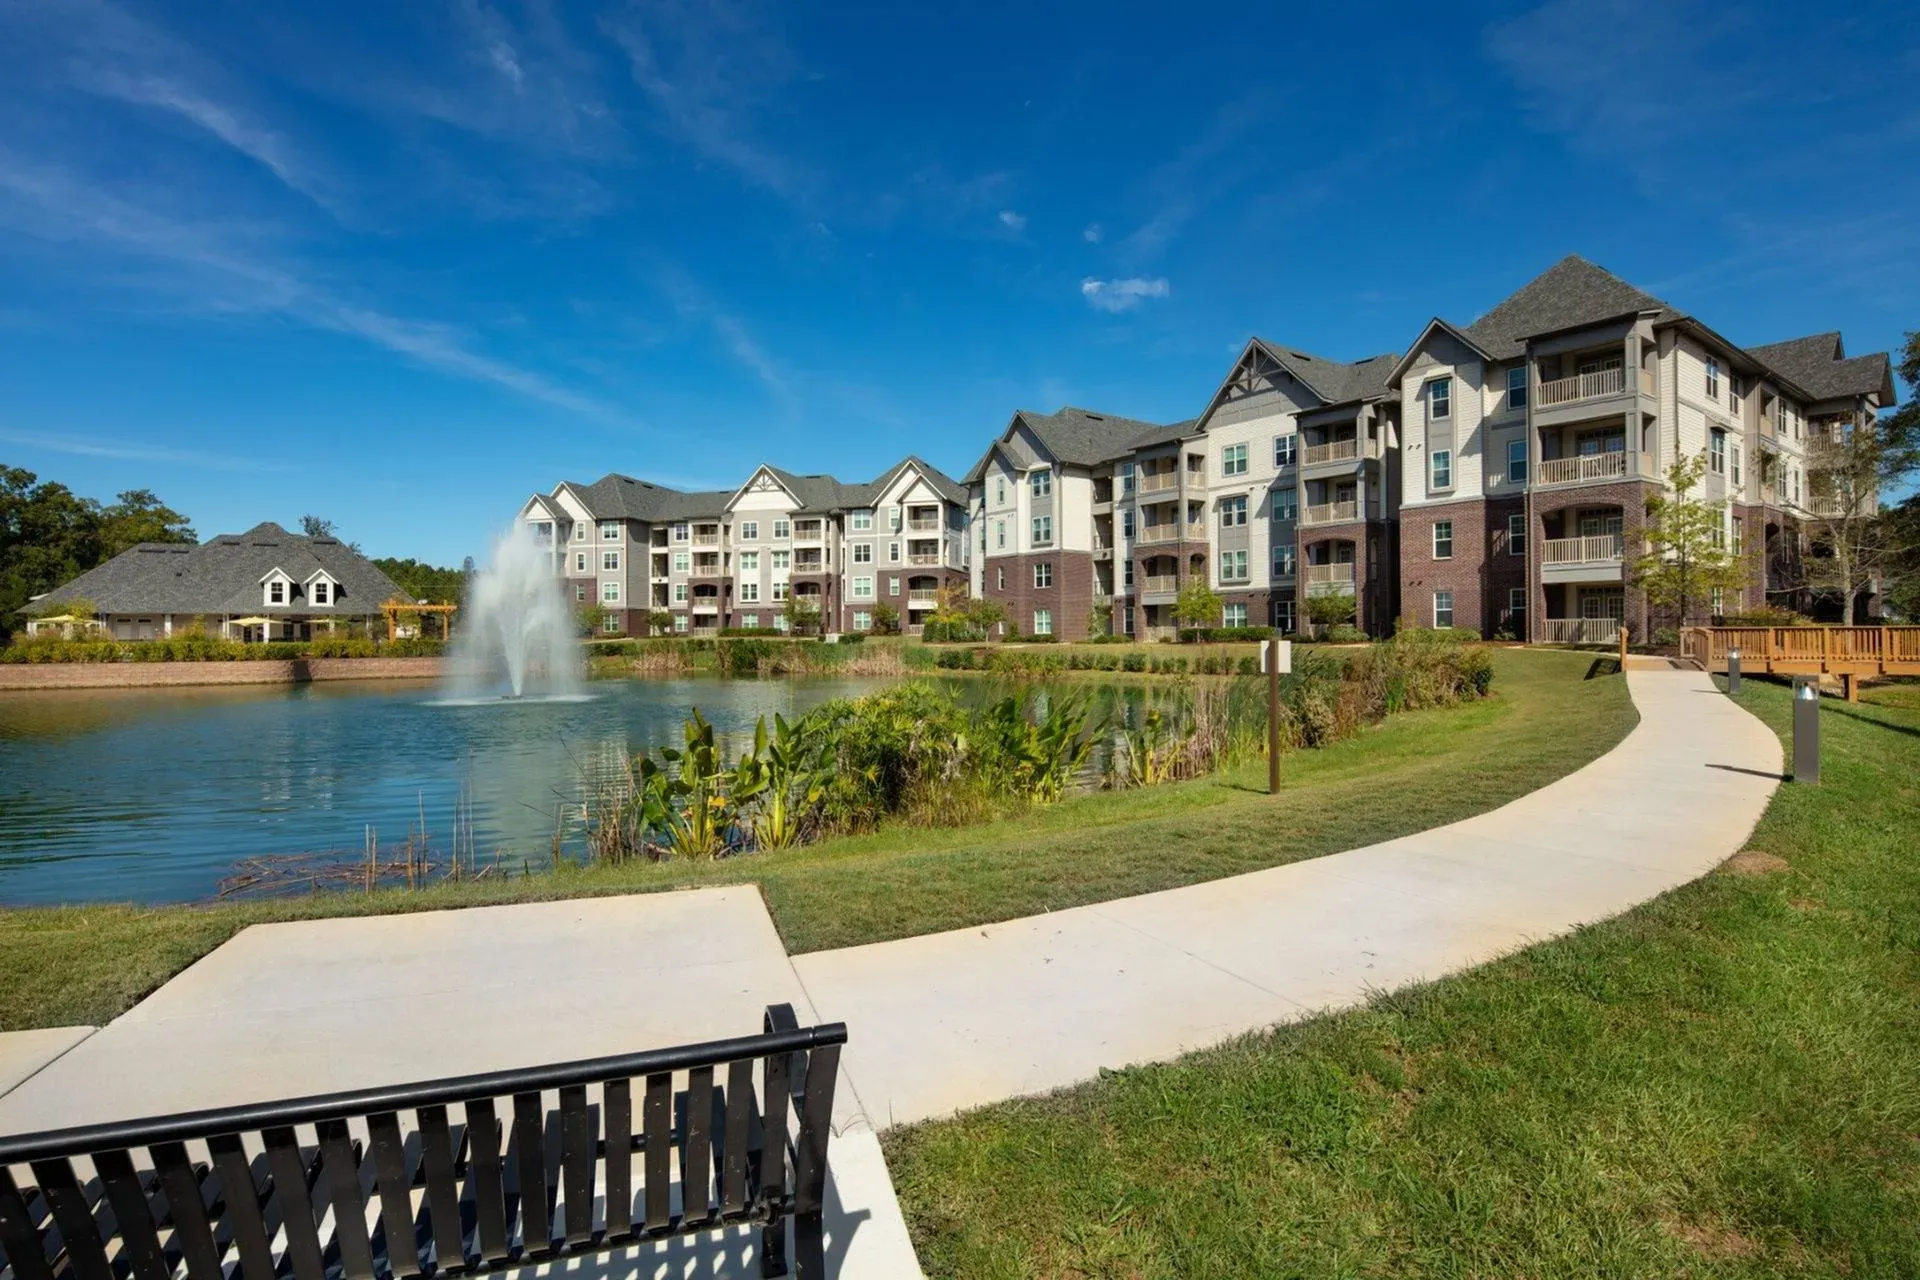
[471,1174]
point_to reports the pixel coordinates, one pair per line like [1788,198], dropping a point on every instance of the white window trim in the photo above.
[1434,384]
[1435,539]
[1433,469]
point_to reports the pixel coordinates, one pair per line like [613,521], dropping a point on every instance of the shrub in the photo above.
[1766,616]
[1346,633]
[1223,635]
[1330,610]
[1134,662]
[958,631]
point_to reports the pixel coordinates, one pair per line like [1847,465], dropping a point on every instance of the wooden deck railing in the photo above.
[1330,512]
[1579,630]
[1587,550]
[1617,465]
[1807,650]
[1156,483]
[1329,573]
[1337,451]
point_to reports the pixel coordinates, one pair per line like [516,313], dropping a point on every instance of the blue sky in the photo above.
[400,264]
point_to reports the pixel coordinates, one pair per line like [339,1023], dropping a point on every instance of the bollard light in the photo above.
[1733,673]
[1806,730]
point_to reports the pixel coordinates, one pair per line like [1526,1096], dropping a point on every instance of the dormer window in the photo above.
[320,591]
[276,592]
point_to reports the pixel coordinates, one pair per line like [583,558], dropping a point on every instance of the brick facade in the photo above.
[130,675]
[1374,588]
[1069,598]
[1480,573]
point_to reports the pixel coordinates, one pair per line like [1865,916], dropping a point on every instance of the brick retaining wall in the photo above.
[134,675]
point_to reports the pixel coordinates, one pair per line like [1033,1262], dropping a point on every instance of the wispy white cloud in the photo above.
[707,68]
[693,302]
[125,451]
[1182,187]
[1124,294]
[1092,233]
[1013,221]
[234,268]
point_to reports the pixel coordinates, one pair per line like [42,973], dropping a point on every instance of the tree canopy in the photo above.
[1688,559]
[424,581]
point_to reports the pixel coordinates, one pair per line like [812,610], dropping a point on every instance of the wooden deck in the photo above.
[1808,651]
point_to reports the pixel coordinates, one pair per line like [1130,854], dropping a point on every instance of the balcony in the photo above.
[1596,468]
[706,539]
[1161,583]
[1161,482]
[1593,549]
[1154,534]
[707,571]
[1595,385]
[1337,451]
[1579,630]
[923,558]
[809,566]
[1330,575]
[706,604]
[927,524]
[1330,512]
[808,531]
[923,599]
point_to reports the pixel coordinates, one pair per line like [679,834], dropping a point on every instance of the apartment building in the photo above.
[1534,436]
[731,558]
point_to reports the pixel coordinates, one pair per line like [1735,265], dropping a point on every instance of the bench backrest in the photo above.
[466,1173]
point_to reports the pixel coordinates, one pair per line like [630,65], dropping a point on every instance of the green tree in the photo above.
[1332,609]
[1687,557]
[48,536]
[802,614]
[591,617]
[886,619]
[1197,605]
[424,581]
[138,516]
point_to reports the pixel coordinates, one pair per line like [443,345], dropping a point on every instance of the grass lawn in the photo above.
[1724,1082]
[86,964]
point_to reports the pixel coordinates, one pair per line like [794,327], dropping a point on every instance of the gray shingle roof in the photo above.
[1819,363]
[622,497]
[222,576]
[1334,381]
[1083,438]
[1570,293]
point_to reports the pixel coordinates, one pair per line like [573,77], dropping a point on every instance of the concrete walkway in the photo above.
[937,1023]
[960,1019]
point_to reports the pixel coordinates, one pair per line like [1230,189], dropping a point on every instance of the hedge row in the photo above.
[213,649]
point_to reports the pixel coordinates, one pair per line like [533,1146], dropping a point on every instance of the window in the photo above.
[610,623]
[1000,534]
[1126,478]
[1284,560]
[893,585]
[1233,512]
[750,593]
[1043,574]
[682,532]
[893,553]
[610,561]
[276,592]
[1041,483]
[679,593]
[782,561]
[1736,465]
[1126,576]
[863,553]
[1440,399]
[863,588]
[1233,566]
[1443,539]
[1043,531]
[893,519]
[579,591]
[1286,504]
[1517,609]
[1516,535]
[318,592]
[1283,615]
[862,620]
[609,531]
[1283,450]
[1233,460]
[1000,491]
[1516,462]
[1713,378]
[679,622]
[1517,388]
[780,622]
[1126,523]
[749,562]
[610,592]
[779,592]
[862,521]
[1442,467]
[1443,608]
[1717,451]
[782,530]
[1233,615]
[1733,395]
[1738,538]
[580,531]
[750,622]
[1043,622]
[579,562]
[750,531]
[682,562]
[1000,579]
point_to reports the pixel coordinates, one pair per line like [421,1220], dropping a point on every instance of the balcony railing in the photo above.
[1193,531]
[923,557]
[1592,549]
[1328,512]
[1588,468]
[1590,386]
[808,532]
[922,599]
[1162,582]
[706,539]
[809,566]
[928,525]
[708,571]
[1160,483]
[1337,451]
[1579,630]
[1329,573]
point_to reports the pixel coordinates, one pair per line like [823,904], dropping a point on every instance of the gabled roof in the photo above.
[1081,437]
[939,481]
[1571,293]
[223,575]
[1334,381]
[1459,335]
[822,493]
[1819,363]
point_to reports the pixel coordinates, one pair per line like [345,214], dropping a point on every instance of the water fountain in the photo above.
[517,638]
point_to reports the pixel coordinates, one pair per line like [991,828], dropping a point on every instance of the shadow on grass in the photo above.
[1757,773]
[1603,667]
[1909,730]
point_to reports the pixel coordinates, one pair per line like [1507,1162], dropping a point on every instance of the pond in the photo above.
[156,795]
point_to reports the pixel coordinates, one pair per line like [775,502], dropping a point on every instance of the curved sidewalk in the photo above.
[956,1020]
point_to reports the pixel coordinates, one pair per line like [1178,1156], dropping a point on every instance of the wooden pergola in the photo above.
[394,608]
